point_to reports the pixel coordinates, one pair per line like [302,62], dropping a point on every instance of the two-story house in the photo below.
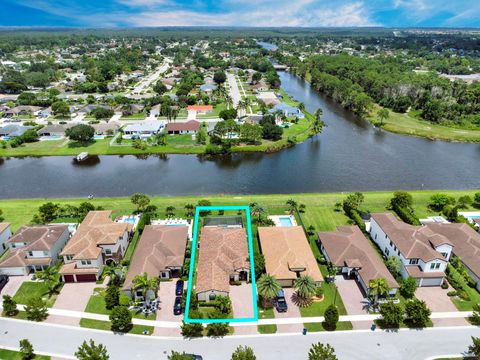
[423,253]
[34,248]
[98,241]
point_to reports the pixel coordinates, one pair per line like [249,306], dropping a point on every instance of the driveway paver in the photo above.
[353,299]
[74,297]
[166,294]
[242,305]
[292,312]
[438,301]
[14,283]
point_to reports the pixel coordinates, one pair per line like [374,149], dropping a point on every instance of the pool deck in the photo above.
[277,219]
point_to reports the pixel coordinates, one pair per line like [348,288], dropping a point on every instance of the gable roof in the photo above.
[97,228]
[223,251]
[414,242]
[349,247]
[285,249]
[159,248]
[465,240]
[200,107]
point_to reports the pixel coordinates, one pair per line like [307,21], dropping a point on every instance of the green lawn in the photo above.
[409,125]
[316,327]
[96,305]
[31,289]
[105,325]
[465,305]
[15,355]
[266,314]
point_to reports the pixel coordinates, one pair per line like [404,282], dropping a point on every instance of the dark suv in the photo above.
[281,302]
[177,306]
[179,288]
[3,281]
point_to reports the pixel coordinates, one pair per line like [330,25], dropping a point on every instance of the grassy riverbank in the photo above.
[320,207]
[409,125]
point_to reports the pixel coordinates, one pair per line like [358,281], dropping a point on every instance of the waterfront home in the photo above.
[353,255]
[423,254]
[5,233]
[57,130]
[143,129]
[287,110]
[13,130]
[268,98]
[106,128]
[98,241]
[189,127]
[288,254]
[261,86]
[466,245]
[34,248]
[223,258]
[160,253]
[208,87]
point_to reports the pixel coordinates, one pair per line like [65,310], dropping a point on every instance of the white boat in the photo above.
[82,156]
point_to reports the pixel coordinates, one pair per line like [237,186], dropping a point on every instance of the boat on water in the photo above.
[82,156]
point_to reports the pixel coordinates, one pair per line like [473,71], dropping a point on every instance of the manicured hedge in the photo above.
[406,215]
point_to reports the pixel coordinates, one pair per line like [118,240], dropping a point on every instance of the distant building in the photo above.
[189,127]
[143,129]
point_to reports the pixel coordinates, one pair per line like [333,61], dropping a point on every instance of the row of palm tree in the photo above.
[268,288]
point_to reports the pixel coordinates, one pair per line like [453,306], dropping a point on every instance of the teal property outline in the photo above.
[192,267]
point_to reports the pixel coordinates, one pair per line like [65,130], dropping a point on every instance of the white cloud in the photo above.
[354,14]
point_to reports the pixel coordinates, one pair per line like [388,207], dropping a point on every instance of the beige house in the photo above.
[223,257]
[97,241]
[34,248]
[350,251]
[287,254]
[160,253]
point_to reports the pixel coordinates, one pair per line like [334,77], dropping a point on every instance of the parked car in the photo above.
[281,302]
[177,306]
[3,281]
[179,288]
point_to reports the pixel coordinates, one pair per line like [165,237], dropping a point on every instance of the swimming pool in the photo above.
[285,221]
[130,220]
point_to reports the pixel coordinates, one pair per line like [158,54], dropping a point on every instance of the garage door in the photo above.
[11,271]
[432,282]
[68,278]
[86,278]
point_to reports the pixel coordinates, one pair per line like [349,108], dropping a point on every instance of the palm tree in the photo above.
[257,210]
[292,206]
[51,277]
[268,287]
[170,211]
[189,210]
[145,284]
[378,287]
[305,287]
[223,304]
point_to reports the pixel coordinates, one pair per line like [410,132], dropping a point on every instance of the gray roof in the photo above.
[14,130]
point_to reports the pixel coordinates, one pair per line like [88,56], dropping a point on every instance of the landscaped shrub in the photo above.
[319,292]
[358,220]
[452,293]
[444,285]
[331,318]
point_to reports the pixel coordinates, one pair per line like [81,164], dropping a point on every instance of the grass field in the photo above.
[266,314]
[30,289]
[105,325]
[409,125]
[15,355]
[316,327]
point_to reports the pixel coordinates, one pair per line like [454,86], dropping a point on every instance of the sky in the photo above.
[256,13]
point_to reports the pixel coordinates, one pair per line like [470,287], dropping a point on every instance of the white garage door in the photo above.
[13,271]
[432,282]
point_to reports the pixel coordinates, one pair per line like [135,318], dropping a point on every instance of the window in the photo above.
[69,257]
[387,252]
[212,296]
[30,253]
[375,236]
[435,266]
[394,248]
[46,253]
[108,252]
[391,244]
[445,255]
[86,262]
[413,261]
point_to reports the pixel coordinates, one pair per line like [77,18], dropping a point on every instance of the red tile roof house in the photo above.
[189,127]
[223,257]
[5,234]
[351,252]
[97,241]
[34,248]
[200,109]
[423,253]
[160,253]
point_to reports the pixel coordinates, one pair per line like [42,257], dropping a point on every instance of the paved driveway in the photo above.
[242,305]
[166,294]
[74,296]
[352,297]
[438,301]
[292,312]
[14,283]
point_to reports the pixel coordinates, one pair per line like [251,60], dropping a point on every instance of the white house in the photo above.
[423,253]
[34,248]
[143,129]
[5,234]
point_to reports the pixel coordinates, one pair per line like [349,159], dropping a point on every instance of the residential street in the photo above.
[406,344]
[234,91]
